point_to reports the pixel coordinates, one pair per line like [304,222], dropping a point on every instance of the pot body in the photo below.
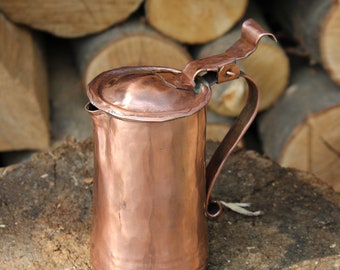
[149,193]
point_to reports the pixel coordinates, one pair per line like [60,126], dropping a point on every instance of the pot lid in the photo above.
[147,93]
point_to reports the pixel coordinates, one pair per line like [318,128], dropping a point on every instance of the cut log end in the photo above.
[137,49]
[69,18]
[269,67]
[315,146]
[329,43]
[302,129]
[23,83]
[190,22]
[228,99]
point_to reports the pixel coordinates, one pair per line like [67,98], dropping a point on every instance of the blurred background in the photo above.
[50,51]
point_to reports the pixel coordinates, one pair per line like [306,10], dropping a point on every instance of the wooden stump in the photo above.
[194,22]
[69,18]
[268,66]
[303,128]
[316,25]
[46,202]
[23,86]
[130,44]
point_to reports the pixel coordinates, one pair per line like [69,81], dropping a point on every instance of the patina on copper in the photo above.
[152,189]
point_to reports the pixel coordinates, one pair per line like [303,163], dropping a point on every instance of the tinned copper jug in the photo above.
[152,189]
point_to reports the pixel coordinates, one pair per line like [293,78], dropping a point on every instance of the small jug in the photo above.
[152,189]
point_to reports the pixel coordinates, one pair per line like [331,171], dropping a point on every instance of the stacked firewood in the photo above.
[299,123]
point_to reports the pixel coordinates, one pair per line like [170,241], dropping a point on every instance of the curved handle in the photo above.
[218,69]
[229,142]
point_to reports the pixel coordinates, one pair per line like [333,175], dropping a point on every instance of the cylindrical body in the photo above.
[149,193]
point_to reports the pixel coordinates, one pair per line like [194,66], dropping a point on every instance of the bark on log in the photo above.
[194,22]
[69,18]
[303,129]
[23,86]
[129,44]
[268,66]
[316,25]
[46,202]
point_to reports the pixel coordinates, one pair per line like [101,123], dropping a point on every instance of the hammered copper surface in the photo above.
[149,194]
[152,188]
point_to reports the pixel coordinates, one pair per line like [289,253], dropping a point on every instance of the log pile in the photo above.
[107,34]
[306,136]
[309,137]
[23,87]
[315,25]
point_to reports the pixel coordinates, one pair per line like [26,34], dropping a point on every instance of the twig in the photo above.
[239,208]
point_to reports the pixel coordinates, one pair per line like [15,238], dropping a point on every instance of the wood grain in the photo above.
[193,21]
[69,18]
[24,121]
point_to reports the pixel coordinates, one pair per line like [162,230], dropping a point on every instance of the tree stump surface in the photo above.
[45,214]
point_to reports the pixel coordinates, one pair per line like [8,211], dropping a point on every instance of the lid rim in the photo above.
[192,102]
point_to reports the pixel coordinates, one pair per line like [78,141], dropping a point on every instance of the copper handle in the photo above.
[218,69]
[224,65]
[229,142]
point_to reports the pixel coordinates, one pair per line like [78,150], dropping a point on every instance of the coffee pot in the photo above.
[152,188]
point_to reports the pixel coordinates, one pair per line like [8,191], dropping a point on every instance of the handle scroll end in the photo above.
[213,208]
[251,34]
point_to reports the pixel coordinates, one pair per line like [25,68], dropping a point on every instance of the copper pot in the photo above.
[152,187]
